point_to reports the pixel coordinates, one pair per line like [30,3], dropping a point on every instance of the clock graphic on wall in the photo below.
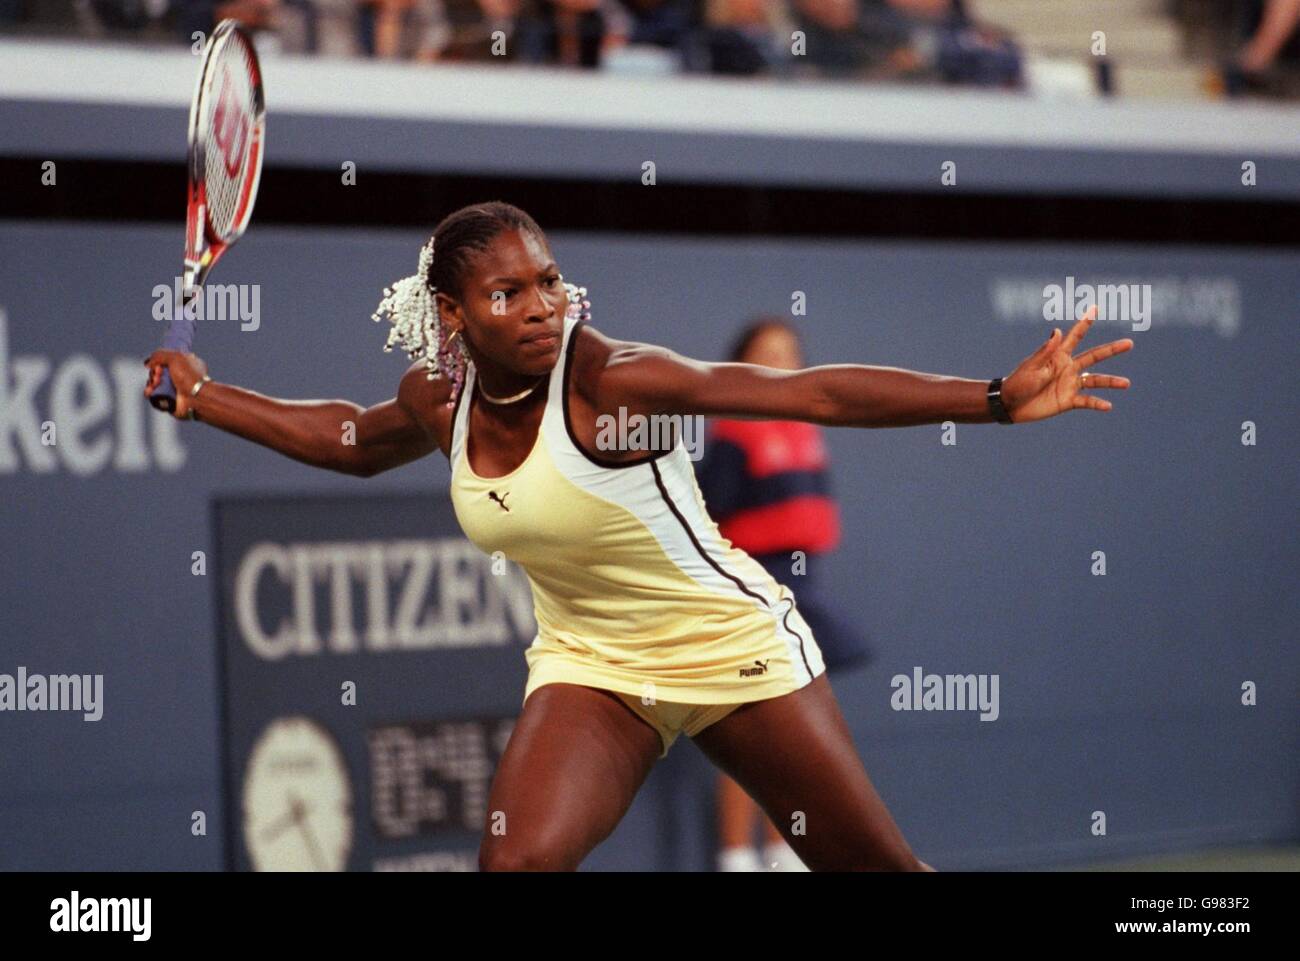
[297,799]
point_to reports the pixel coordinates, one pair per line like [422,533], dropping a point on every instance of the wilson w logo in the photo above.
[230,125]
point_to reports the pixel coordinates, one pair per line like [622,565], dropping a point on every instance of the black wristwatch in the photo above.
[996,407]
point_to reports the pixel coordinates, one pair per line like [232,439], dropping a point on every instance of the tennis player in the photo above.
[650,624]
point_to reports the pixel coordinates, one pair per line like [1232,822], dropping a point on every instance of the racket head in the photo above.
[226,131]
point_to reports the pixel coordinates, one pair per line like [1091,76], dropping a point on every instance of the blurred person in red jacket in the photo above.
[766,483]
[1277,22]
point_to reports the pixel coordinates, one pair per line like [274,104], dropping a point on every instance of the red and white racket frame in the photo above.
[203,244]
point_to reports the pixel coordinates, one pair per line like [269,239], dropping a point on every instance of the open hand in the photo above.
[1050,381]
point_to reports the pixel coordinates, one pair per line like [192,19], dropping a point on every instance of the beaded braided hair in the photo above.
[411,306]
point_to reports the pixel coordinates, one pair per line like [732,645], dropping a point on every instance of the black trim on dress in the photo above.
[663,492]
[570,350]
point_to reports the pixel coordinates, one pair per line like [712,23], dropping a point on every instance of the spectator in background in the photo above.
[1277,24]
[252,14]
[292,22]
[339,28]
[202,16]
[663,23]
[766,484]
[194,16]
[408,29]
[123,15]
[388,29]
[963,50]
[472,24]
[845,38]
[922,39]
[870,39]
[572,33]
[747,36]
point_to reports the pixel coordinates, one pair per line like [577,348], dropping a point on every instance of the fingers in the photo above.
[1100,353]
[157,362]
[1050,345]
[166,357]
[1105,380]
[1088,402]
[1079,329]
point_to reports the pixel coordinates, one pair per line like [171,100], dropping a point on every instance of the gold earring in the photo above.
[452,337]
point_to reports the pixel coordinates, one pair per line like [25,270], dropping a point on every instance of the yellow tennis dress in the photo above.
[634,589]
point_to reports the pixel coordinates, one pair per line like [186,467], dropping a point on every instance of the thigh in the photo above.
[795,756]
[574,762]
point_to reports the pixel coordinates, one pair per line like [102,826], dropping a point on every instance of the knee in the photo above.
[524,855]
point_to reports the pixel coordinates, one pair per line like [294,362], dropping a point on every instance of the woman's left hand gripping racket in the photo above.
[227,124]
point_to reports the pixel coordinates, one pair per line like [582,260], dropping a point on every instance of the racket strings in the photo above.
[231,108]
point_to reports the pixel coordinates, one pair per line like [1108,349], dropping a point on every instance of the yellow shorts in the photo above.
[671,719]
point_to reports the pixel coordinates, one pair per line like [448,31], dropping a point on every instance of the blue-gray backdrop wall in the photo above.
[1119,693]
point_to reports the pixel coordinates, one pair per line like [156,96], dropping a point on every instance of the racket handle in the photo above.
[180,337]
[163,397]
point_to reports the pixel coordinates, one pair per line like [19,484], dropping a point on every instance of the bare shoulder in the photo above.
[597,356]
[605,351]
[604,368]
[425,401]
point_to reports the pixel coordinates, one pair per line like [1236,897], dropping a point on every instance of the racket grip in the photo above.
[164,395]
[180,337]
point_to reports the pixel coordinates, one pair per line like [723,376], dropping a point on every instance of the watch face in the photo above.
[297,799]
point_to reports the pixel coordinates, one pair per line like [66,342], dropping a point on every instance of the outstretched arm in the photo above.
[314,432]
[1048,382]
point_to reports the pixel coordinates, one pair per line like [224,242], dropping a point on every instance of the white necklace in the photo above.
[513,397]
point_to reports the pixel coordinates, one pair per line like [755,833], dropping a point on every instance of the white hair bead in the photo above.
[410,306]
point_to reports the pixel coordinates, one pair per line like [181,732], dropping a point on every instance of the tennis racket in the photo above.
[227,124]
